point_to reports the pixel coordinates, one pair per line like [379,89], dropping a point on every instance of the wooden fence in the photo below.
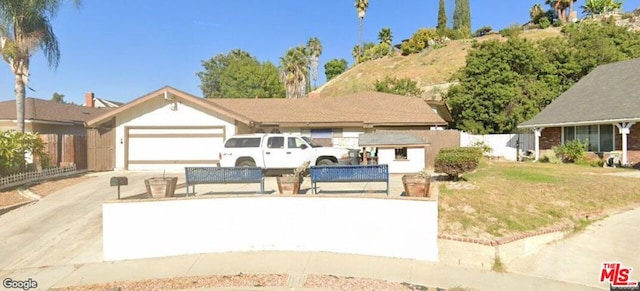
[66,150]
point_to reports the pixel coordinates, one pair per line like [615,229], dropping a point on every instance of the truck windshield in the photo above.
[310,141]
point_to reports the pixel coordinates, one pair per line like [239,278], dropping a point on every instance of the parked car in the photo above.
[279,151]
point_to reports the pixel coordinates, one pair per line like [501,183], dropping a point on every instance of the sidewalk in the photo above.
[397,270]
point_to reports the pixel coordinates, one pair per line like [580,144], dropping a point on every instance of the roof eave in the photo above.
[579,123]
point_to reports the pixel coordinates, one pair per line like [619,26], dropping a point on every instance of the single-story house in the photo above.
[170,129]
[403,152]
[48,117]
[601,109]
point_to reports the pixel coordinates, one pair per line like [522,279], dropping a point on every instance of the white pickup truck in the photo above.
[278,151]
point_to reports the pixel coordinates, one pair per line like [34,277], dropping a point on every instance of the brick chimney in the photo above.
[88,99]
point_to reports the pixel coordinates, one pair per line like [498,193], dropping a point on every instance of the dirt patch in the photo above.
[49,187]
[326,282]
[11,197]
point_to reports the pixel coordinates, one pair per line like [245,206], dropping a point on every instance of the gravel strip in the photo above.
[11,197]
[239,280]
[323,282]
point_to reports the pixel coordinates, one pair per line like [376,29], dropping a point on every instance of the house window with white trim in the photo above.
[600,138]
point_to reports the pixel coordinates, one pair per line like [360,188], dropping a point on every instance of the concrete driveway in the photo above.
[579,258]
[64,227]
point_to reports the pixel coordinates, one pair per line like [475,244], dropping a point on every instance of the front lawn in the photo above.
[504,198]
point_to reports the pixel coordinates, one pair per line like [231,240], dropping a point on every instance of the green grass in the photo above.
[510,198]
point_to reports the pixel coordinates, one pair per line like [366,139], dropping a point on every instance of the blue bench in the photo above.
[349,173]
[222,175]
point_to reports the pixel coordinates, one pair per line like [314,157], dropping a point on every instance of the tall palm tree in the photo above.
[294,66]
[385,36]
[355,52]
[25,27]
[314,47]
[361,8]
[557,7]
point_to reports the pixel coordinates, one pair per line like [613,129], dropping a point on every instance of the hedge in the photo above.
[454,162]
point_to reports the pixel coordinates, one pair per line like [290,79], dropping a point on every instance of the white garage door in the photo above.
[172,147]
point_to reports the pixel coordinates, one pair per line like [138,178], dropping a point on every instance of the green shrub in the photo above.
[455,163]
[571,151]
[376,52]
[477,151]
[482,31]
[13,146]
[544,22]
[512,31]
[420,40]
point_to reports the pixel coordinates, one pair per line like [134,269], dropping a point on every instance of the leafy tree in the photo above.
[361,8]
[442,16]
[502,84]
[14,145]
[314,48]
[239,75]
[57,97]
[462,17]
[420,40]
[294,67]
[334,68]
[536,12]
[599,7]
[367,51]
[375,51]
[505,83]
[25,27]
[404,86]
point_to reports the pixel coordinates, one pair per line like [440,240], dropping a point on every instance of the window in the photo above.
[252,142]
[598,137]
[275,142]
[401,153]
[322,136]
[294,143]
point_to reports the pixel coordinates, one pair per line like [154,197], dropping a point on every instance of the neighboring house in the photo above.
[90,100]
[601,109]
[171,129]
[48,117]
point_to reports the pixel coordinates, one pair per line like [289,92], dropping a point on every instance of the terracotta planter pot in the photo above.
[289,185]
[416,186]
[158,187]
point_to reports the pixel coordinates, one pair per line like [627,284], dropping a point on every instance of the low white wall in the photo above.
[399,228]
[502,145]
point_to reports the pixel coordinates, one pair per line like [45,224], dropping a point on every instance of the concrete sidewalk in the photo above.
[293,263]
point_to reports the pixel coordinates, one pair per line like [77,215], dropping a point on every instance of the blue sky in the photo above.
[123,49]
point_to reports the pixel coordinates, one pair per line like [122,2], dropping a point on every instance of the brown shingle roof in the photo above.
[369,108]
[46,110]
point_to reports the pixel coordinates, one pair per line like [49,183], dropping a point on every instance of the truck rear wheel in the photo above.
[326,162]
[246,163]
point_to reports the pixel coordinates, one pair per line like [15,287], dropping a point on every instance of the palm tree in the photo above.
[557,7]
[314,47]
[385,36]
[535,12]
[355,52]
[294,67]
[25,27]
[361,7]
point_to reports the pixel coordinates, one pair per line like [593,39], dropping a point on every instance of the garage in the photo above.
[167,130]
[172,147]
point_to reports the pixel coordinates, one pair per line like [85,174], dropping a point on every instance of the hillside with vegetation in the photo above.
[431,69]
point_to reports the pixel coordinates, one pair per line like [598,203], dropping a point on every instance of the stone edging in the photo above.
[505,240]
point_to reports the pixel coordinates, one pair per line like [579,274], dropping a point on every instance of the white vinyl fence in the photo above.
[506,146]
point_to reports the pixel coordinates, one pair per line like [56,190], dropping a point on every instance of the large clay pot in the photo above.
[158,187]
[416,186]
[289,184]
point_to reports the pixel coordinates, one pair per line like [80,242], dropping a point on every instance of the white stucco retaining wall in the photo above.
[413,164]
[399,228]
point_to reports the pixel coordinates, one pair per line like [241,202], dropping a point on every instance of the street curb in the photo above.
[26,193]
